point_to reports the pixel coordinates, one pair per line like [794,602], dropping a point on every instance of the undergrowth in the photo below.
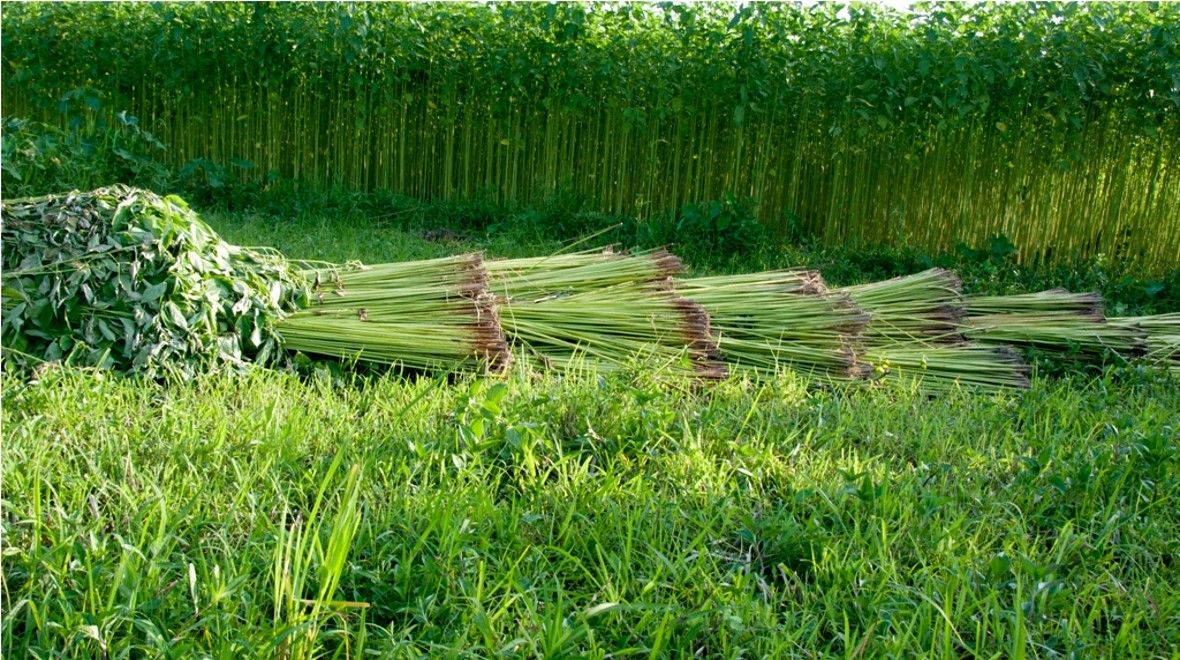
[586,515]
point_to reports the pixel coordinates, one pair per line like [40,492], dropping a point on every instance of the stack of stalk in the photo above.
[536,278]
[768,322]
[914,335]
[924,307]
[1055,320]
[433,314]
[1163,338]
[606,309]
[941,368]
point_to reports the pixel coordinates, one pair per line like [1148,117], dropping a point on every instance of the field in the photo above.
[585,515]
[224,437]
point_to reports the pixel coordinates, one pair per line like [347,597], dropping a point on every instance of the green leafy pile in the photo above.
[123,278]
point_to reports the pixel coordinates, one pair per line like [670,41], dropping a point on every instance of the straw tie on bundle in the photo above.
[767,322]
[433,314]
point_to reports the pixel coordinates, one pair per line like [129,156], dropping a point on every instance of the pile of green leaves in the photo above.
[122,278]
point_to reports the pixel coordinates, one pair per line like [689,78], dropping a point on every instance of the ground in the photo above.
[583,515]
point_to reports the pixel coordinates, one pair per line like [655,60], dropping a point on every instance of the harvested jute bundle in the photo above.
[433,314]
[1163,338]
[613,327]
[1052,301]
[939,368]
[1055,320]
[768,322]
[925,306]
[541,277]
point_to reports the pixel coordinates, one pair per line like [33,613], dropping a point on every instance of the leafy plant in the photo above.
[123,278]
[727,225]
[41,158]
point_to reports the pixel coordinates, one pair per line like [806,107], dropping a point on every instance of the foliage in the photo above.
[122,278]
[376,228]
[1053,124]
[727,225]
[41,158]
[588,516]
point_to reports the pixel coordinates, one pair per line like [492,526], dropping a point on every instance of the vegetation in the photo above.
[536,278]
[122,278]
[80,262]
[1008,487]
[1163,337]
[1054,319]
[588,516]
[765,518]
[1053,124]
[430,314]
[771,321]
[924,306]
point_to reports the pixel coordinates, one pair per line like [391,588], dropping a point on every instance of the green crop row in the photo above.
[1054,124]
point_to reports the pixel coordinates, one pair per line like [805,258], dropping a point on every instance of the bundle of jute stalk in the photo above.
[433,314]
[942,367]
[925,306]
[773,321]
[541,277]
[1163,337]
[1054,320]
[633,323]
[914,335]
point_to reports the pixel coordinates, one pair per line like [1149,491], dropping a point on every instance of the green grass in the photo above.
[587,515]
[590,516]
[354,235]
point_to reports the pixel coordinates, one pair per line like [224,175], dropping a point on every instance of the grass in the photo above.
[590,516]
[613,514]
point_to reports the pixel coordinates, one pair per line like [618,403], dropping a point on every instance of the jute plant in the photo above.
[914,335]
[540,277]
[1163,337]
[940,367]
[616,326]
[925,306]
